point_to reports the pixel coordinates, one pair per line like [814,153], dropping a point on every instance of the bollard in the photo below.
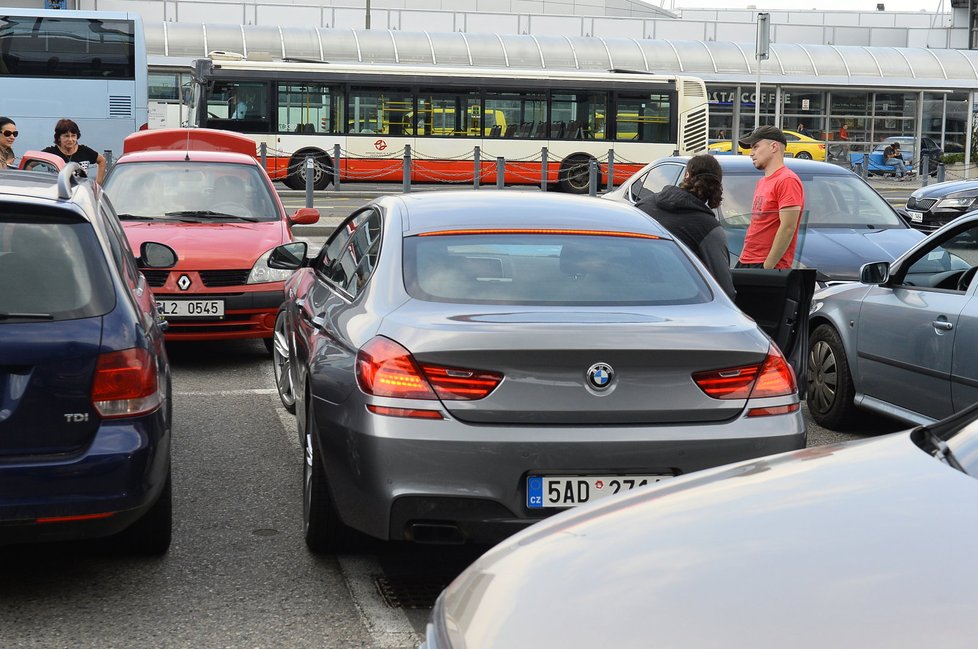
[477,172]
[263,148]
[940,172]
[500,172]
[863,166]
[336,166]
[924,170]
[543,169]
[407,169]
[310,170]
[592,179]
[611,169]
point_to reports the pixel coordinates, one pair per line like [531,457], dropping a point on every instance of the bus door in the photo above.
[448,126]
[379,128]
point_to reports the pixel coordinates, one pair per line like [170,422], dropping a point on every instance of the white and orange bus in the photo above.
[373,112]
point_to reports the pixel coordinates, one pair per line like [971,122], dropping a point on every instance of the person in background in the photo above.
[844,132]
[686,212]
[801,129]
[779,198]
[66,146]
[8,135]
[893,158]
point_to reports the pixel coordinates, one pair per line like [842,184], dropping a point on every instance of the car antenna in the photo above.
[186,156]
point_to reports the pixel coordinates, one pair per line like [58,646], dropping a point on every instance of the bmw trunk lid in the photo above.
[566,366]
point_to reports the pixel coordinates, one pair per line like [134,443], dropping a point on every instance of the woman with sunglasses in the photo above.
[8,133]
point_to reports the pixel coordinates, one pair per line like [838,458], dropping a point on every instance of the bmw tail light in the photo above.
[772,378]
[454,383]
[385,369]
[126,384]
[776,378]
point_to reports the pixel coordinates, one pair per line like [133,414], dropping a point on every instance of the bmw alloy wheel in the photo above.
[282,363]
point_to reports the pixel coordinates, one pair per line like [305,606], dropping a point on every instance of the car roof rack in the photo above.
[71,174]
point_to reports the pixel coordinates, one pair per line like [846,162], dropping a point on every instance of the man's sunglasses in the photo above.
[11,133]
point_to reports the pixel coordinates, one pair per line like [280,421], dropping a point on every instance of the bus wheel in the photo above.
[575,174]
[322,174]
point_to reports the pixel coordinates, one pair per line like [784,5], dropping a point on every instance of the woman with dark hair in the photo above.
[66,146]
[686,212]
[8,134]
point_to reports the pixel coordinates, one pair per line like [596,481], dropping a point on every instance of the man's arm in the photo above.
[782,238]
[100,176]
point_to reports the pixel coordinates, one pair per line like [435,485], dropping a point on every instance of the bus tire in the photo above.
[322,175]
[575,174]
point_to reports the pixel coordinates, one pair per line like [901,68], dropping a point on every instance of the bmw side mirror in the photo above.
[875,273]
[156,255]
[289,256]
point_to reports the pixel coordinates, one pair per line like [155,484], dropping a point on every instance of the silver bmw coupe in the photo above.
[464,364]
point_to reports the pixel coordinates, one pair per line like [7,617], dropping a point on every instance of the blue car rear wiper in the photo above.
[26,316]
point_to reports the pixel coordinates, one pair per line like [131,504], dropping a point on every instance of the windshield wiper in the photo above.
[26,316]
[212,215]
[137,217]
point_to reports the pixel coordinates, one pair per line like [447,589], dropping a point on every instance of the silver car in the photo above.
[856,545]
[903,342]
[464,364]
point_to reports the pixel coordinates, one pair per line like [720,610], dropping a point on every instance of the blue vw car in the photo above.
[84,379]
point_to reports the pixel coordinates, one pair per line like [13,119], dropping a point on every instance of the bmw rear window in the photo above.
[51,269]
[550,268]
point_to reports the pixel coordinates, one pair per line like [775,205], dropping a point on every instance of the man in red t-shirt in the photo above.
[778,202]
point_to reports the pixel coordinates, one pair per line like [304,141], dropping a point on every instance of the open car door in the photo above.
[779,301]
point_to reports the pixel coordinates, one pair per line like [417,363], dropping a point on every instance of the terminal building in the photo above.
[864,75]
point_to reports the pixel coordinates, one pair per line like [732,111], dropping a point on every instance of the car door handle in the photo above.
[942,324]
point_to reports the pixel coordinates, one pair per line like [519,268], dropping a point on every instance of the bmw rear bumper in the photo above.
[97,492]
[396,478]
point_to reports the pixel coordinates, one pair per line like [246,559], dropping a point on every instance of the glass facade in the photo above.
[858,119]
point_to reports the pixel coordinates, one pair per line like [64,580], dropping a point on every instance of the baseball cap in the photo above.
[763,133]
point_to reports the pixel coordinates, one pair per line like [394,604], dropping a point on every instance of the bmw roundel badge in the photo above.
[599,376]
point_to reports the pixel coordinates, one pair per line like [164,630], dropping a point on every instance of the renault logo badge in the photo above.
[183,282]
[600,375]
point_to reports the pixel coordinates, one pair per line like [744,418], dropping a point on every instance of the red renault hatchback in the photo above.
[203,193]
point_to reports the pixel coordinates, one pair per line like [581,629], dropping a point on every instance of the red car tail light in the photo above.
[386,369]
[772,378]
[125,384]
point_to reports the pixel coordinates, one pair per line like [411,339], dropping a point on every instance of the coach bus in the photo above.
[373,113]
[89,66]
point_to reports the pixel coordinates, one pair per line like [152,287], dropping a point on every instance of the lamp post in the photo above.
[366,20]
[762,53]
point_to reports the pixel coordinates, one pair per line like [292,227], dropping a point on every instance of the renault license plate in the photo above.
[916,217]
[191,308]
[570,491]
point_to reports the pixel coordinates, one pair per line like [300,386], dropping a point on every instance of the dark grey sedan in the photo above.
[903,342]
[845,223]
[463,364]
[930,207]
[857,545]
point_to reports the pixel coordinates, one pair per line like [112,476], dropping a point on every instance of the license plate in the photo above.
[916,217]
[191,308]
[570,491]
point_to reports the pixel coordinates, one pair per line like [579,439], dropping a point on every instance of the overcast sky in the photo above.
[930,6]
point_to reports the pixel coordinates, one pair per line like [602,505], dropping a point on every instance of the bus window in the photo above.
[644,118]
[578,116]
[458,115]
[241,106]
[385,112]
[525,113]
[32,46]
[307,108]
